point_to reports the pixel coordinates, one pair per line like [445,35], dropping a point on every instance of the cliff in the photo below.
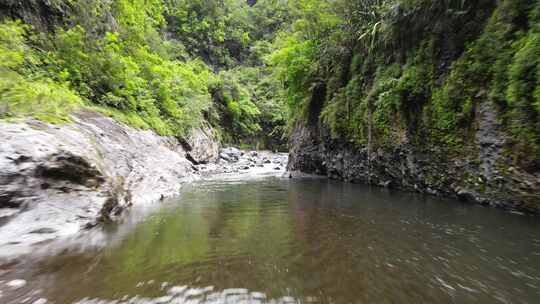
[445,105]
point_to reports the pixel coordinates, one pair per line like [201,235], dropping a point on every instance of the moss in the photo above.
[524,81]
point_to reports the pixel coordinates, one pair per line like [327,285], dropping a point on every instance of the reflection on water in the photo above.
[297,241]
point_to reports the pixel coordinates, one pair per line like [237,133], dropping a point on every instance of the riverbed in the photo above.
[271,239]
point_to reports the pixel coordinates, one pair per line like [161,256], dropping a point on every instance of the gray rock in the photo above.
[202,145]
[466,196]
[232,153]
[226,157]
[485,177]
[71,176]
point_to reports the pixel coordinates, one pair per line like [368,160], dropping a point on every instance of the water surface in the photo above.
[295,241]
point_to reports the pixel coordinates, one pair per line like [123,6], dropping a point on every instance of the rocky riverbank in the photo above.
[57,180]
[233,161]
[483,171]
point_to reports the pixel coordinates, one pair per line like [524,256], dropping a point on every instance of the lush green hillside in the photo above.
[165,65]
[438,97]
[369,70]
[389,71]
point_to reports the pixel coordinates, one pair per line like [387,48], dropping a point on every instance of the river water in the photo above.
[275,240]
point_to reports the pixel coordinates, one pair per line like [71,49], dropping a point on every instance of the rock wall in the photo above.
[58,179]
[482,172]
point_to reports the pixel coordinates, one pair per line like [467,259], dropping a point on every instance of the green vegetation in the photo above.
[117,71]
[164,65]
[377,71]
[413,70]
[39,96]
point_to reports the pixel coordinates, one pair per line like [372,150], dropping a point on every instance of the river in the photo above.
[280,240]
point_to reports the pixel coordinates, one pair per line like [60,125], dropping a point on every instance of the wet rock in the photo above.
[466,196]
[231,153]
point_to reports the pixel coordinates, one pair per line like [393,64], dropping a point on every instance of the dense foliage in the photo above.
[386,72]
[151,64]
[377,71]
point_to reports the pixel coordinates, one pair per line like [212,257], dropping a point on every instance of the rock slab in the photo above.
[58,179]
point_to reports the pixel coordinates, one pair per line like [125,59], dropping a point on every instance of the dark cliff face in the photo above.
[480,173]
[447,108]
[42,14]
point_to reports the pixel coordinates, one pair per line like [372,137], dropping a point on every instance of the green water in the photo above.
[297,241]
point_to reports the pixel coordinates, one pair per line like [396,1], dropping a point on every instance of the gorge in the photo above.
[269,151]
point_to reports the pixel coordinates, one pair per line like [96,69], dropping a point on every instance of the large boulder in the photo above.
[202,145]
[58,179]
[231,154]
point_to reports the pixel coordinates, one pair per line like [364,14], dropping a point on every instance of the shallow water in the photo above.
[277,240]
